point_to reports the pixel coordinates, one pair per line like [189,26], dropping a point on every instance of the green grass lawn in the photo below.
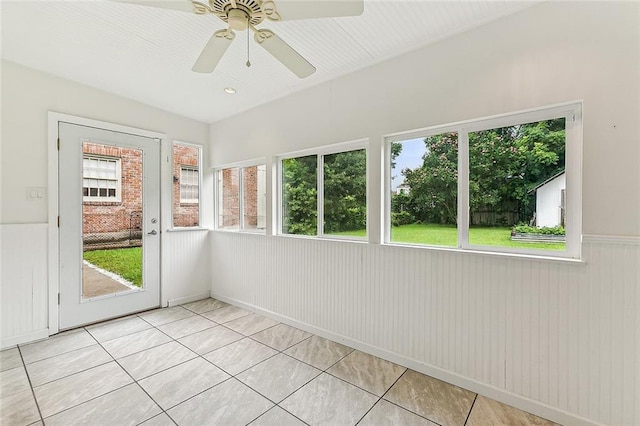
[126,262]
[447,235]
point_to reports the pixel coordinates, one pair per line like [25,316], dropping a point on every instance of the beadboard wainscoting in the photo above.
[556,338]
[23,289]
[24,300]
[186,273]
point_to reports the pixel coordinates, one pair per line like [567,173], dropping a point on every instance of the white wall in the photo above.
[559,339]
[549,202]
[27,96]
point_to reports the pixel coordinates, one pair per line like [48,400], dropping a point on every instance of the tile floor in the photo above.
[207,363]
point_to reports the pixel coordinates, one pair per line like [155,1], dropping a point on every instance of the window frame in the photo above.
[571,111]
[199,202]
[217,171]
[118,179]
[320,153]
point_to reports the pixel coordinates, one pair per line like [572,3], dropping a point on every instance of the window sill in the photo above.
[241,231]
[523,256]
[324,238]
[102,203]
[188,229]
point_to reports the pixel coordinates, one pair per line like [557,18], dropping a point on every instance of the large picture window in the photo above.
[325,193]
[508,183]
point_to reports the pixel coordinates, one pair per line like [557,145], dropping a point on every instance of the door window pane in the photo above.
[112,231]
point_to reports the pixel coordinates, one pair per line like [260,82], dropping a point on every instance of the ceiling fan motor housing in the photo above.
[245,10]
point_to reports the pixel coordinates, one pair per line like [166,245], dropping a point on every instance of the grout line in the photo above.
[138,384]
[33,393]
[52,356]
[277,406]
[231,376]
[471,409]
[380,397]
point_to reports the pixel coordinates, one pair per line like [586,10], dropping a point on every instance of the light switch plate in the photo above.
[36,193]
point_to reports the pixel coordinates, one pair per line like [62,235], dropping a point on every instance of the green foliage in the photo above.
[396,149]
[126,262]
[345,193]
[504,165]
[401,218]
[299,195]
[434,186]
[447,235]
[545,230]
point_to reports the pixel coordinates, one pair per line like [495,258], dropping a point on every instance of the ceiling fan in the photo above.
[247,14]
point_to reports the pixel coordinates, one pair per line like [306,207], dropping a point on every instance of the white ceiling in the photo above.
[146,53]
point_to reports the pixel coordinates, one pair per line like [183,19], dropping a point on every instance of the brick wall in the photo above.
[250,183]
[184,214]
[230,203]
[108,217]
[254,193]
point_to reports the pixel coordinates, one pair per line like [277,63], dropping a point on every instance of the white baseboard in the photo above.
[29,337]
[188,299]
[525,404]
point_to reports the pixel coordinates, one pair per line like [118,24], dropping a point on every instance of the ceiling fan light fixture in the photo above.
[229,90]
[238,20]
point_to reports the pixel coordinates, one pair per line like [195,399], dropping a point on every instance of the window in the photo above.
[509,183]
[325,193]
[424,190]
[186,185]
[254,197]
[189,184]
[101,179]
[242,198]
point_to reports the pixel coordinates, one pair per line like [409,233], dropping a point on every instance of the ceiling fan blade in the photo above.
[284,53]
[308,9]
[181,5]
[213,51]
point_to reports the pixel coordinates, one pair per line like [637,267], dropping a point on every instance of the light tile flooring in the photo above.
[209,363]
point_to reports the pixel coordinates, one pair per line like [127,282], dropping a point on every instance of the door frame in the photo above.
[53,273]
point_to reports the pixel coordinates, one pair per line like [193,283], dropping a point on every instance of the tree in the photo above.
[504,165]
[345,191]
[299,195]
[433,187]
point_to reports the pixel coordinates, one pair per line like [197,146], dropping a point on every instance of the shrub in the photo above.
[401,218]
[545,230]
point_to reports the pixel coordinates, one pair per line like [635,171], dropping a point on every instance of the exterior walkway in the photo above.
[94,283]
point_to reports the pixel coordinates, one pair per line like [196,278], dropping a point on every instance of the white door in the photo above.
[109,190]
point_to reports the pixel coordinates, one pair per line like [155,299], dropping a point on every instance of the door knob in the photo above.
[153,232]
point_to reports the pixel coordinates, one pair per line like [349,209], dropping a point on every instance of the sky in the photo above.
[411,157]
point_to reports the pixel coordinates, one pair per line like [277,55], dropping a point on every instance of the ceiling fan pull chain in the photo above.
[248,61]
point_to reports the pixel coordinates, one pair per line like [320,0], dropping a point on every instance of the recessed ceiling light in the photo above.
[230,90]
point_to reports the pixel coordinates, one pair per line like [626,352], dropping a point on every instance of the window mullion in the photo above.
[463,188]
[241,197]
[279,208]
[320,194]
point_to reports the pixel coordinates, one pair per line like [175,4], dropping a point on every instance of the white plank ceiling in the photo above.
[146,54]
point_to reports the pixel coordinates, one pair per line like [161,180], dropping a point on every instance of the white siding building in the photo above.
[550,201]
